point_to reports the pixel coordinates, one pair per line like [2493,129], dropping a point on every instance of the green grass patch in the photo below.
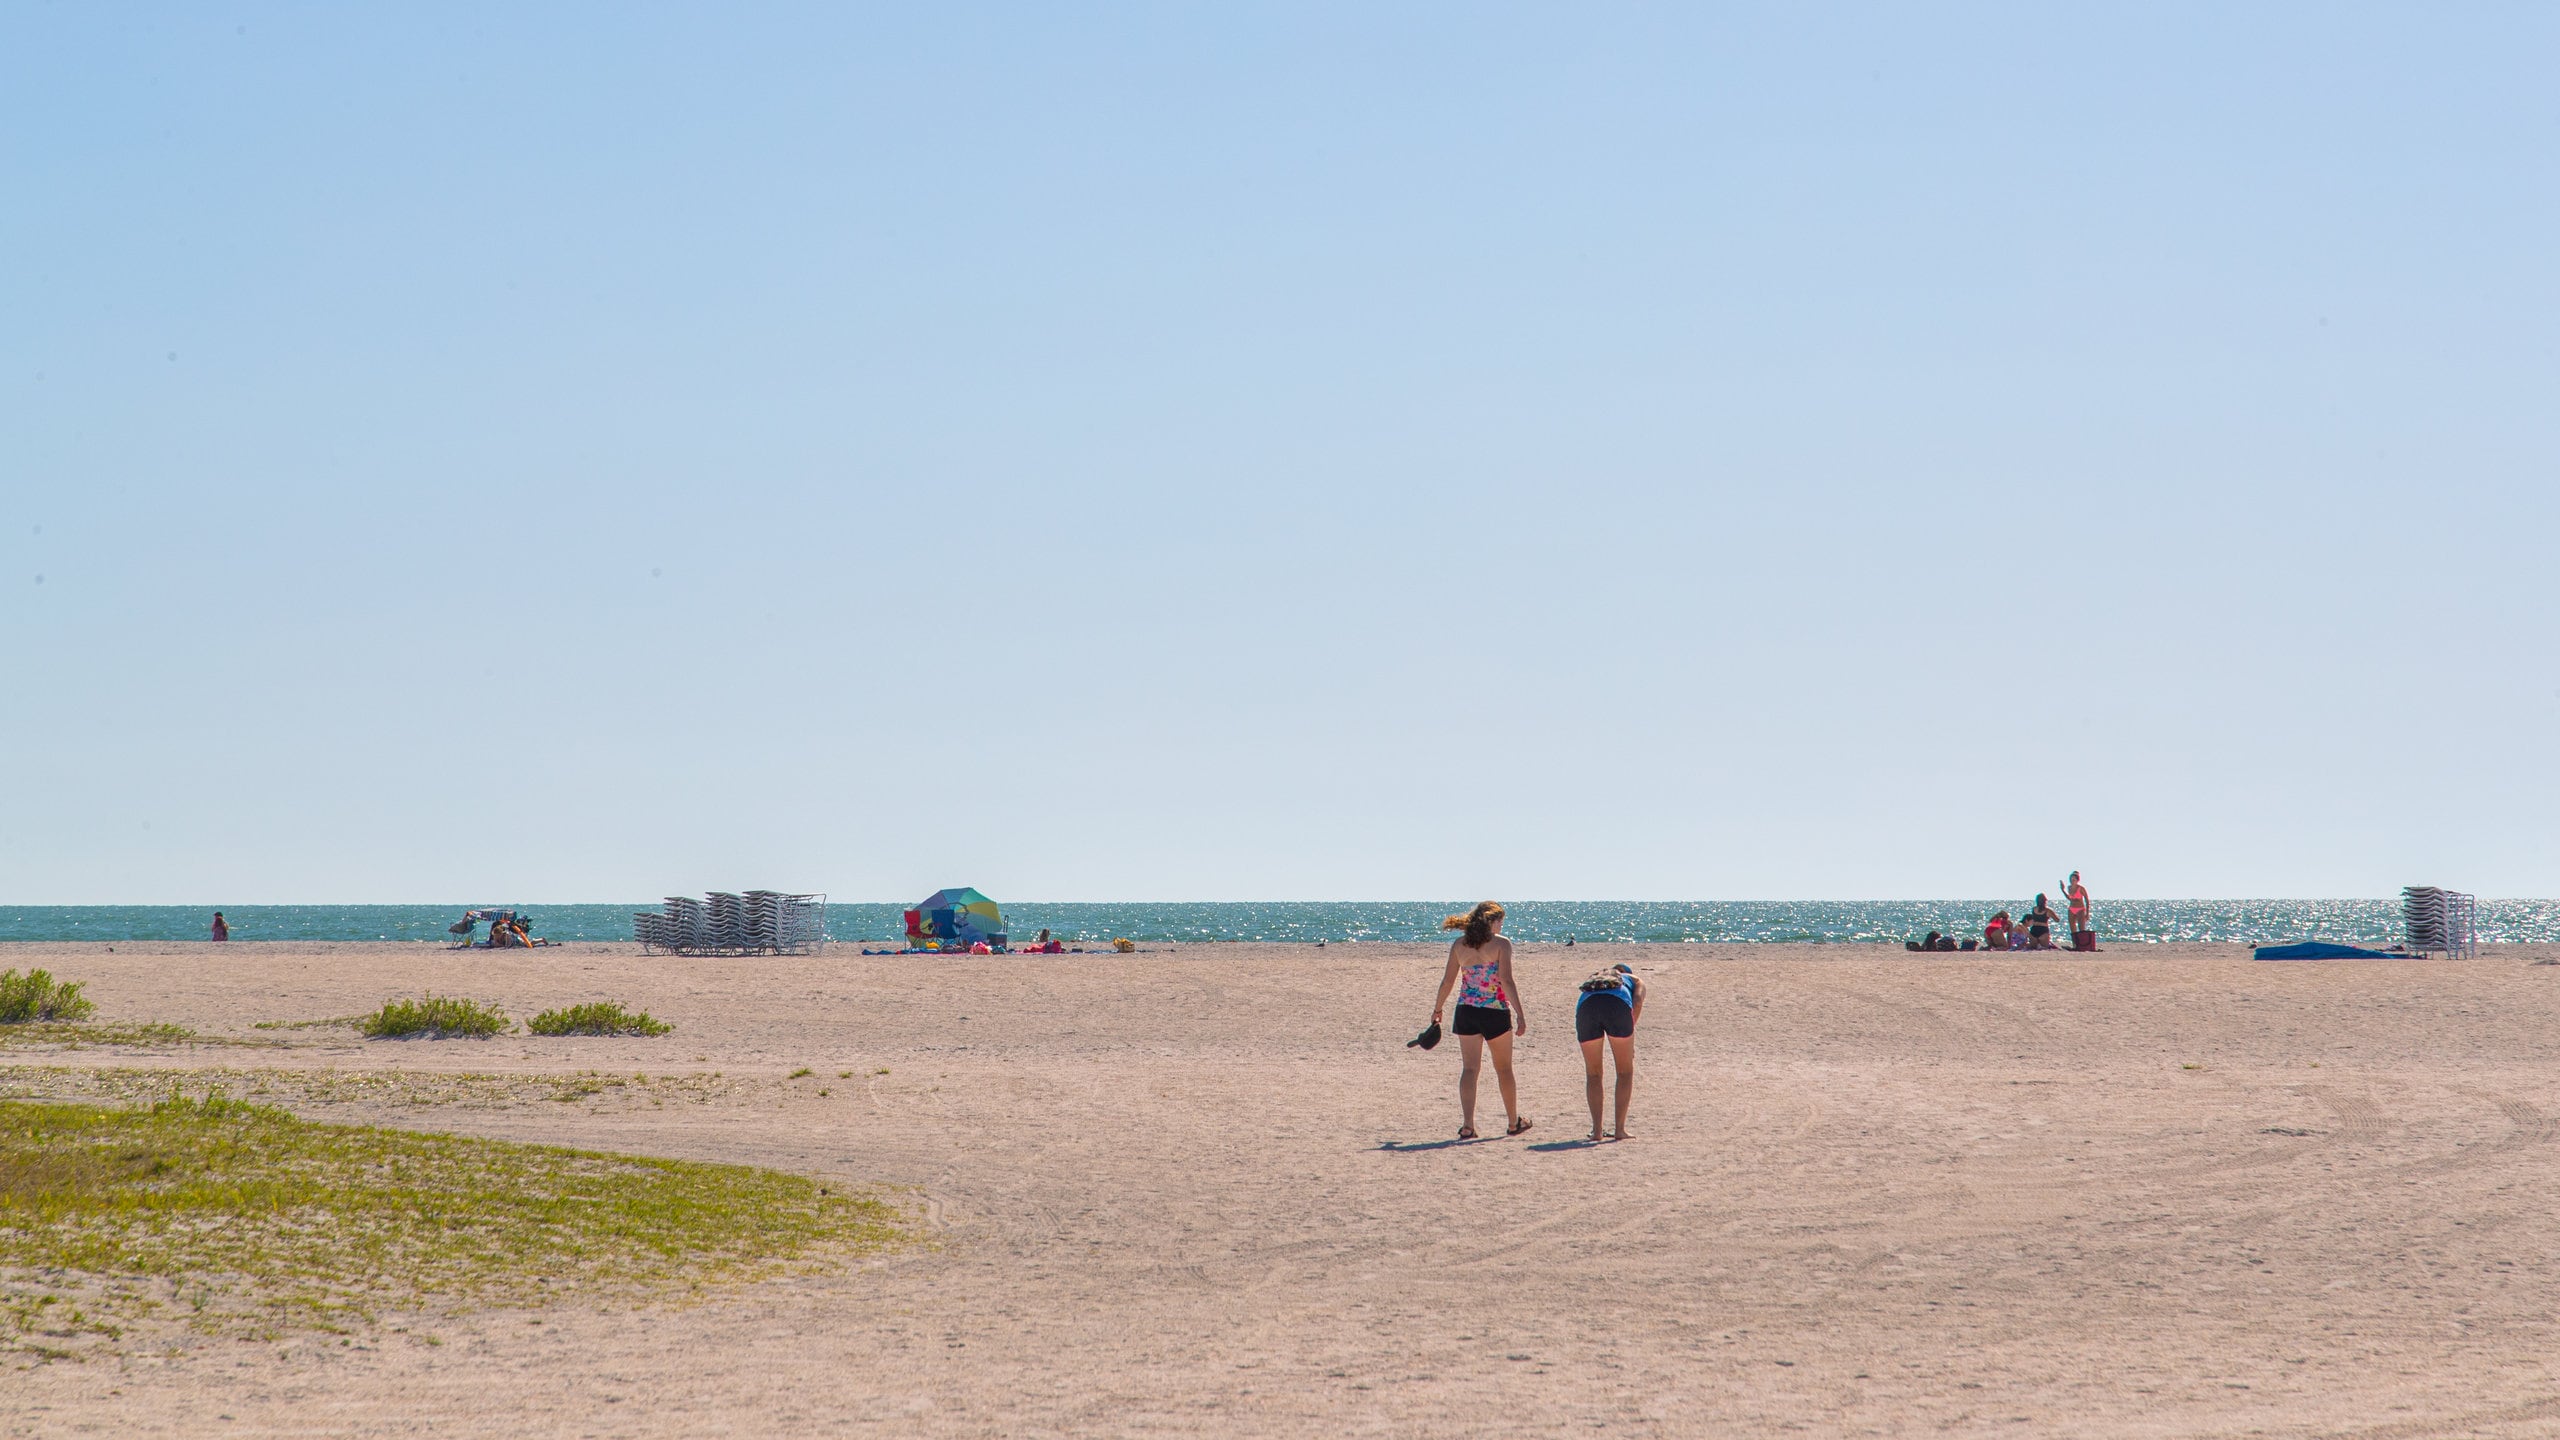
[37,997]
[230,1217]
[350,1021]
[435,1017]
[597,1017]
[73,1037]
[304,1090]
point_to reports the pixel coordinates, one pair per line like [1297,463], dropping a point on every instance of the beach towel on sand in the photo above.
[2323,950]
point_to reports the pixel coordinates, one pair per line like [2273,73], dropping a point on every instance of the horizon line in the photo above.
[1548,900]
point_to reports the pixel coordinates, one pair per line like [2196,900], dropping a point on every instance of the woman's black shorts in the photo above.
[1485,1020]
[1603,1015]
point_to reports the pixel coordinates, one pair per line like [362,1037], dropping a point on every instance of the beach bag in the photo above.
[2084,941]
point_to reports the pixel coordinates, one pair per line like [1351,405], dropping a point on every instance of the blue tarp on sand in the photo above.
[2323,950]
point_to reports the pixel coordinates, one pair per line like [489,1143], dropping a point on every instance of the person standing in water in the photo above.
[1488,1009]
[221,927]
[1610,1003]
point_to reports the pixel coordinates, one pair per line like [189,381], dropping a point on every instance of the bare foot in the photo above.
[1597,1137]
[1623,1134]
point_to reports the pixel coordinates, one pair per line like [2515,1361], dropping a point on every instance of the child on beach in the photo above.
[1486,1004]
[1610,1004]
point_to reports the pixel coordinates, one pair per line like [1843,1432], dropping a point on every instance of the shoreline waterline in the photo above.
[1725,922]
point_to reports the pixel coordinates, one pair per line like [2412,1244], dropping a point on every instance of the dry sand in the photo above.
[1208,1192]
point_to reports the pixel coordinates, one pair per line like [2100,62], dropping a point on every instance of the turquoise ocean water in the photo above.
[1670,921]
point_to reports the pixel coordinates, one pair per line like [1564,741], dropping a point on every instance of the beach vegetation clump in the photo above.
[37,997]
[435,1017]
[74,1036]
[234,1218]
[597,1017]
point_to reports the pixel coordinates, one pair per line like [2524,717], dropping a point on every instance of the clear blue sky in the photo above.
[587,452]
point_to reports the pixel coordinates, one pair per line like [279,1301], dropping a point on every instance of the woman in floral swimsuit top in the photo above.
[1488,1011]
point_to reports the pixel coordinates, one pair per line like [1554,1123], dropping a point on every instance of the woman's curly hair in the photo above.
[1478,923]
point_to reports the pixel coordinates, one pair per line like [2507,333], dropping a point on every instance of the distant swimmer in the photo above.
[1488,1002]
[1610,1004]
[221,927]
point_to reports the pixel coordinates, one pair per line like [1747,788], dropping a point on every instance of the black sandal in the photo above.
[1466,1132]
[1519,1126]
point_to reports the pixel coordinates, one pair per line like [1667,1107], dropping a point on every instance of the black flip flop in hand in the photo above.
[1427,1038]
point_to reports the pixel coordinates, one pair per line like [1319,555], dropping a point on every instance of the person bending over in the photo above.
[1611,1001]
[1480,965]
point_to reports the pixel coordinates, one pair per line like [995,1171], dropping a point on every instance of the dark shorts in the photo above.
[1485,1020]
[1603,1015]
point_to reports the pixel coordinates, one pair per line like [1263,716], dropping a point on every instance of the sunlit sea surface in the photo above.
[1666,921]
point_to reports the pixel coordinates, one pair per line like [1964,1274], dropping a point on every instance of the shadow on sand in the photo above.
[1417,1147]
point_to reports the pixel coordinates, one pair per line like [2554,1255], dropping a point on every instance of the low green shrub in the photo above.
[36,995]
[435,1017]
[597,1017]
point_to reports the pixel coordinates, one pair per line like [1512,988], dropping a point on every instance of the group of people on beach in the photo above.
[1491,1016]
[2030,931]
[2034,930]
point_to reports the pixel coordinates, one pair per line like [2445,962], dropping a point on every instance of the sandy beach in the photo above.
[2160,1191]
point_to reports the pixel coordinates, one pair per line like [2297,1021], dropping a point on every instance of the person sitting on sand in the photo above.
[1610,1005]
[2040,924]
[1481,958]
[1995,936]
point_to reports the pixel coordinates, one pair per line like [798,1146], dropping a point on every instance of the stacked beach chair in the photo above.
[760,922]
[2441,920]
[784,924]
[727,921]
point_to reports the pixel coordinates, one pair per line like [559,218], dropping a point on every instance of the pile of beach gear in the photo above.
[507,929]
[759,922]
[2441,920]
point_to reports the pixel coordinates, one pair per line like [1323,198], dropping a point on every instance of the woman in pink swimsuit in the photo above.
[1489,1010]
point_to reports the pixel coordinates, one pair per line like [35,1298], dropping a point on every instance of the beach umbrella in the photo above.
[958,916]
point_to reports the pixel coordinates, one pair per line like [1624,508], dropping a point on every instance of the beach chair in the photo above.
[2438,921]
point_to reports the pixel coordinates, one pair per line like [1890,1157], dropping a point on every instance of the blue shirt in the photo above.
[1626,991]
